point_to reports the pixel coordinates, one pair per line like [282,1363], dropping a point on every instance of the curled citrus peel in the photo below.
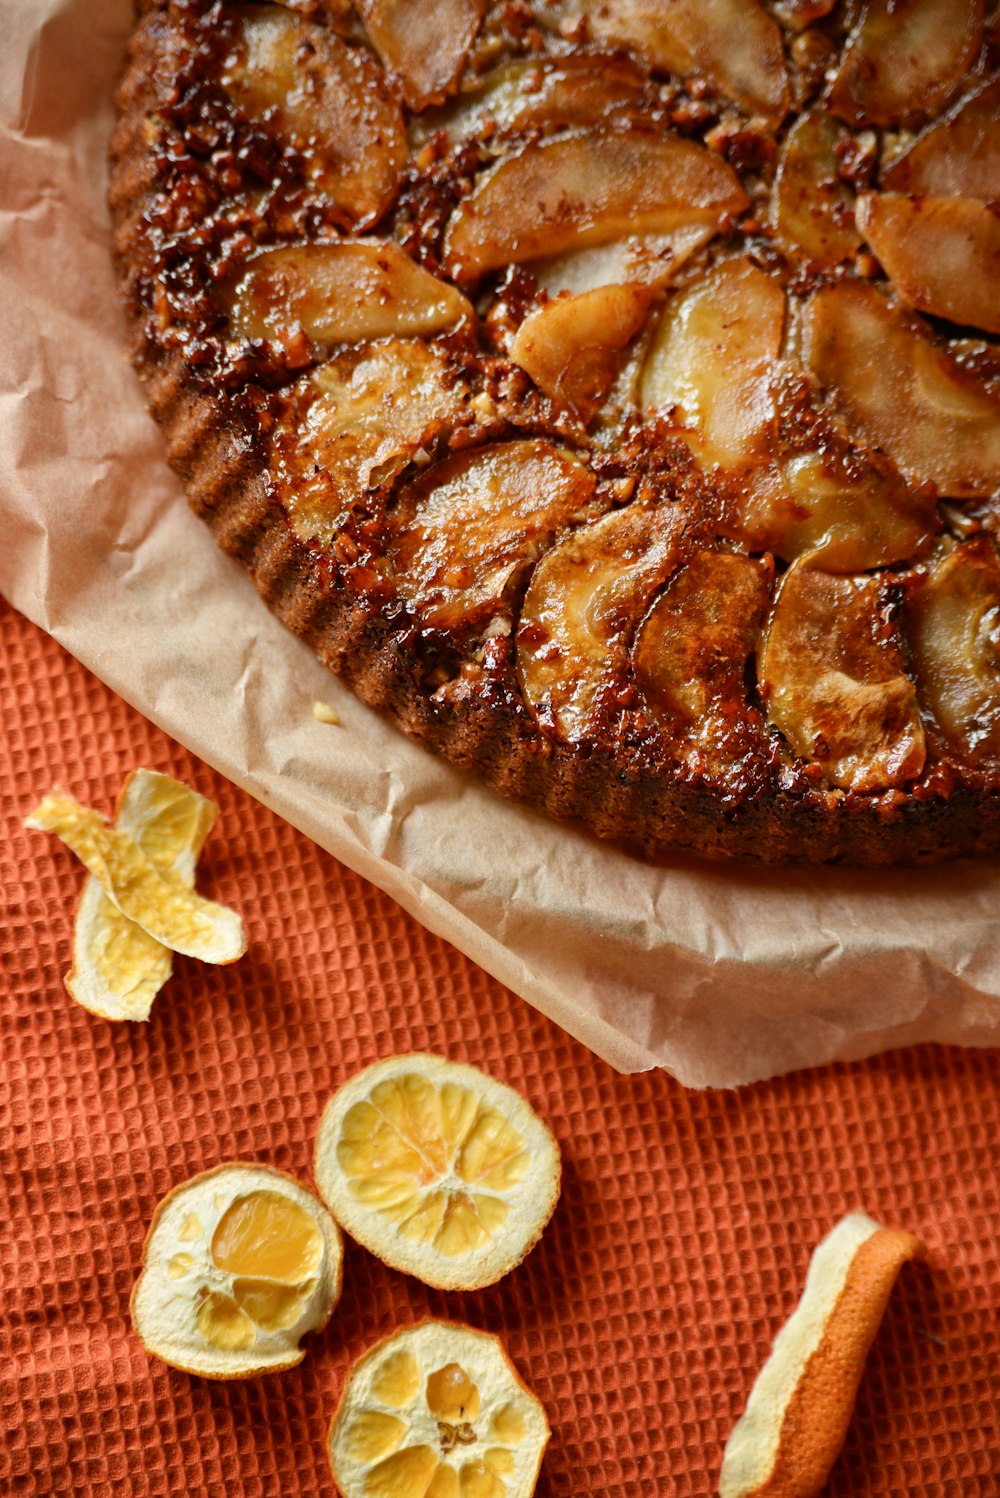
[173,915]
[238,1265]
[439,1170]
[118,968]
[437,1411]
[796,1418]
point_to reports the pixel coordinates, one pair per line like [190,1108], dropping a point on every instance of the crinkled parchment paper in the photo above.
[721,974]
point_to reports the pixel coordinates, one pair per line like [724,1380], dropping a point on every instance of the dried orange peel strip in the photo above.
[179,918]
[796,1418]
[118,968]
[437,1411]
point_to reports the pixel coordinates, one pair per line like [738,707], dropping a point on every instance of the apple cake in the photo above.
[609,390]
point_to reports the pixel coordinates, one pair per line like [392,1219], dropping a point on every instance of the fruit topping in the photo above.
[324,100]
[587,189]
[941,254]
[437,1411]
[831,675]
[692,649]
[354,424]
[735,44]
[581,609]
[959,154]
[712,363]
[440,1170]
[572,347]
[649,260]
[902,59]
[469,529]
[341,293]
[812,206]
[954,631]
[902,390]
[423,43]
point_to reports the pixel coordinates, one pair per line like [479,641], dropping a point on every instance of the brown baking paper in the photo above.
[721,974]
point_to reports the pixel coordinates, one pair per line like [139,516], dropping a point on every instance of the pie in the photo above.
[608,390]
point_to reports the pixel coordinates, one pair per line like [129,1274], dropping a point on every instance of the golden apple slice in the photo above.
[833,681]
[652,260]
[563,93]
[733,43]
[355,423]
[691,652]
[470,527]
[938,423]
[323,98]
[560,194]
[813,210]
[341,293]
[424,43]
[959,155]
[954,629]
[573,347]
[902,59]
[941,254]
[581,609]
[713,359]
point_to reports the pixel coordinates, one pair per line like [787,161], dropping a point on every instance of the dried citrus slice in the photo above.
[179,918]
[239,1263]
[437,1411]
[441,1171]
[787,1441]
[118,968]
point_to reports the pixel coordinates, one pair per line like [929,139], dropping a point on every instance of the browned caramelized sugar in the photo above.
[614,402]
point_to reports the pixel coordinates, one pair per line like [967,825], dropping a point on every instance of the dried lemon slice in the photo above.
[179,918]
[118,968]
[437,1411]
[239,1263]
[441,1171]
[796,1418]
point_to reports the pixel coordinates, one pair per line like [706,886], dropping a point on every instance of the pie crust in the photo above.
[614,403]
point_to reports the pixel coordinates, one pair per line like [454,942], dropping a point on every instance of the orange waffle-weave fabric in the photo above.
[677,1250]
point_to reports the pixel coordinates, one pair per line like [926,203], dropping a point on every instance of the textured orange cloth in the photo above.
[678,1248]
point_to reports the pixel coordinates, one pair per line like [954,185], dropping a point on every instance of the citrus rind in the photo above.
[437,1410]
[437,1169]
[210,1302]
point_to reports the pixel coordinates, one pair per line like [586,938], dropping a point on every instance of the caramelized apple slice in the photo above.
[833,681]
[812,208]
[713,359]
[902,59]
[326,100]
[938,423]
[572,347]
[471,526]
[651,261]
[423,42]
[941,254]
[564,93]
[355,423]
[691,652]
[954,628]
[959,155]
[341,293]
[734,43]
[581,609]
[565,193]
[847,511]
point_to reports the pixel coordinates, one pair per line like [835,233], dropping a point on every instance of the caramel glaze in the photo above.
[196,188]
